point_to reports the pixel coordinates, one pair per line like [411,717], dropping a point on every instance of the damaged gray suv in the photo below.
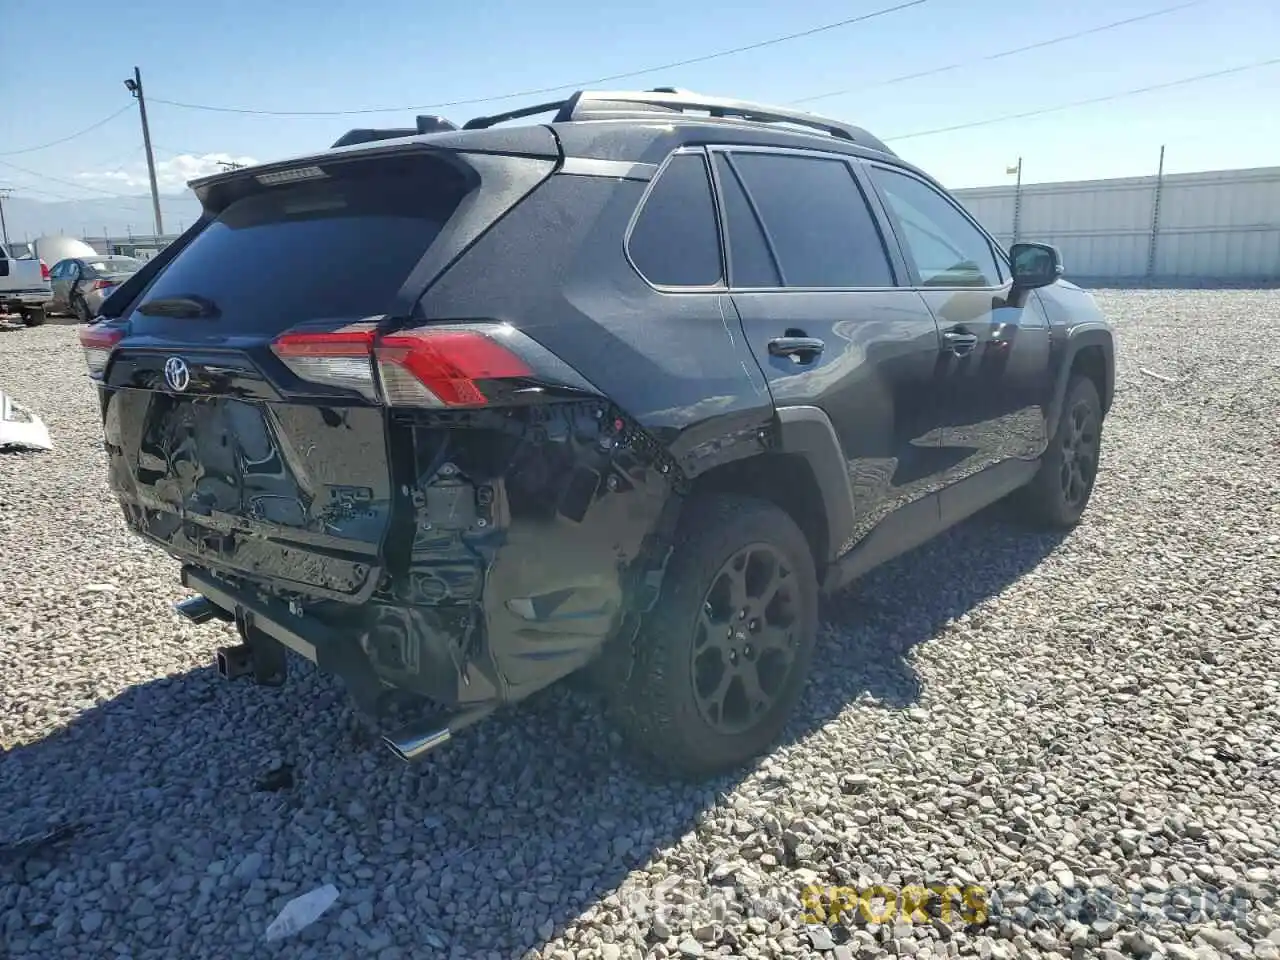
[460,411]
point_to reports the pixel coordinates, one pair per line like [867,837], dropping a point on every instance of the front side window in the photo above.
[675,241]
[947,250]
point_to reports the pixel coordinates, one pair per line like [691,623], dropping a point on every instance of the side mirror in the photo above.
[1035,264]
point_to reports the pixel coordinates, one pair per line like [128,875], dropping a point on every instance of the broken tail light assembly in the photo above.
[97,342]
[437,366]
[430,366]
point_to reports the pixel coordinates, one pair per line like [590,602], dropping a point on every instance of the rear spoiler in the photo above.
[535,142]
[501,177]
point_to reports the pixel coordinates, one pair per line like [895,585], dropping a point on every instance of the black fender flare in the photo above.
[807,432]
[1091,334]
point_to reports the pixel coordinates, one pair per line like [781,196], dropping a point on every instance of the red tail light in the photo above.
[44,270]
[440,368]
[97,343]
[102,285]
[428,367]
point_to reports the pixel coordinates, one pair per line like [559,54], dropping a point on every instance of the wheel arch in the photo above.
[804,474]
[1090,352]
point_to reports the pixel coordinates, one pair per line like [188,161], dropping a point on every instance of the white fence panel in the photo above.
[1219,224]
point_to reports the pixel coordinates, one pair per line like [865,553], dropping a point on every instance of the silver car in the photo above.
[80,284]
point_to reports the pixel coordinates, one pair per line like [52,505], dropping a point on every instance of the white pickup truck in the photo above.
[24,288]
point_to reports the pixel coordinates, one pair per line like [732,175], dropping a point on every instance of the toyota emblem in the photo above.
[176,374]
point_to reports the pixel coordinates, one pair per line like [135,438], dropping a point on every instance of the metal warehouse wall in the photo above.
[1222,225]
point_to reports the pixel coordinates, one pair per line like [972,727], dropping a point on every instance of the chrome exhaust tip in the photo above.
[196,609]
[409,745]
[416,739]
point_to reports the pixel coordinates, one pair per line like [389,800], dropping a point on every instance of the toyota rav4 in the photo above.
[461,411]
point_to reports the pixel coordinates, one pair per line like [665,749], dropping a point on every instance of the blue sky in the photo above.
[282,56]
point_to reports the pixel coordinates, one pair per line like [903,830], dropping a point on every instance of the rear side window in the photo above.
[948,250]
[674,241]
[339,247]
[750,263]
[821,229]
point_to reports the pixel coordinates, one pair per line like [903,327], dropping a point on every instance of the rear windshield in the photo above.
[115,265]
[339,247]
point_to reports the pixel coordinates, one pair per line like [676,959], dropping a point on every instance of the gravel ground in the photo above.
[1085,727]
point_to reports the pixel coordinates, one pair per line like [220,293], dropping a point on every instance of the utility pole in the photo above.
[134,86]
[1155,217]
[5,193]
[1017,199]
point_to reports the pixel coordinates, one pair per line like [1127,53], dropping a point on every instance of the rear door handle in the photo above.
[802,349]
[960,343]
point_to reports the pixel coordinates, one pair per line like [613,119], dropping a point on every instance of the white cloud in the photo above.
[171,175]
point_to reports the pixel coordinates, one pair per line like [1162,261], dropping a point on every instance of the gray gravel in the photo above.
[1086,727]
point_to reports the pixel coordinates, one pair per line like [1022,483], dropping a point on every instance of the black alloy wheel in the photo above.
[745,643]
[1079,464]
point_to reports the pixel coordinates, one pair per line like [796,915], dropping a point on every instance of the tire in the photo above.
[1058,494]
[33,318]
[660,710]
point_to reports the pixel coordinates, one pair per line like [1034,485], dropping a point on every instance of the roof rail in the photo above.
[479,123]
[616,104]
[425,124]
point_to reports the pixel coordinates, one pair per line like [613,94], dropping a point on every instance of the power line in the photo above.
[1004,53]
[1183,81]
[181,153]
[69,183]
[46,193]
[772,41]
[78,133]
[78,186]
[1092,30]
[122,203]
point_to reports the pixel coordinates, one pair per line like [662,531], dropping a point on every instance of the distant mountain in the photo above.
[27,219]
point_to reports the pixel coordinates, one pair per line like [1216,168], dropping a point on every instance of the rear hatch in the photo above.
[244,421]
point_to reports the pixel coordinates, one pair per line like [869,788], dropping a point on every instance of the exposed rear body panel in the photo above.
[296,494]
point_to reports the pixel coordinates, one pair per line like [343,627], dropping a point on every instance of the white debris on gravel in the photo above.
[1086,728]
[300,912]
[20,429]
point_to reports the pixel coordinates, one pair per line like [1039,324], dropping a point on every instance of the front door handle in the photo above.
[960,343]
[801,349]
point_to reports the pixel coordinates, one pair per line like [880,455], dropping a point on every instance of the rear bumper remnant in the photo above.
[20,428]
